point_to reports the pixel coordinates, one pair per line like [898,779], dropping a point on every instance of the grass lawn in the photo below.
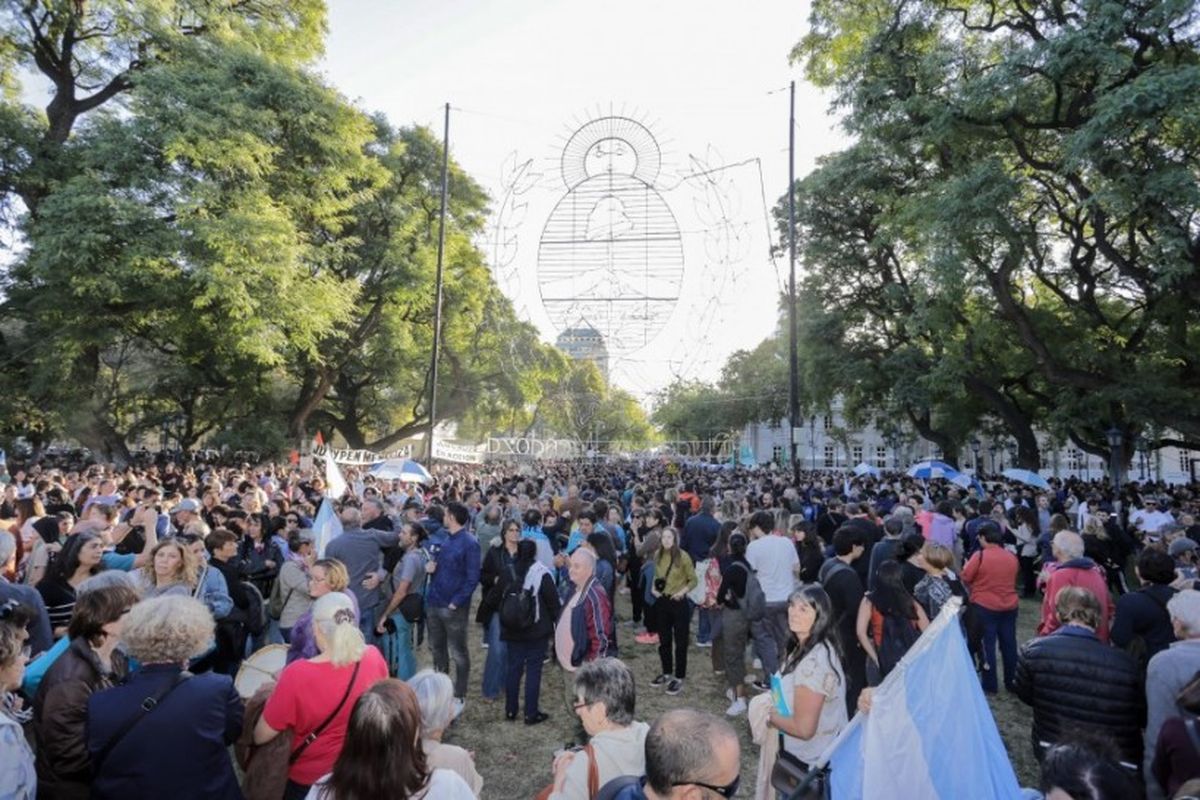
[514,759]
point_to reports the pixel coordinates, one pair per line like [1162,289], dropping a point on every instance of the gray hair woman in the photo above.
[604,700]
[435,696]
[183,740]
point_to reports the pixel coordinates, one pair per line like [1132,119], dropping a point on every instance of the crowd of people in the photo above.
[130,599]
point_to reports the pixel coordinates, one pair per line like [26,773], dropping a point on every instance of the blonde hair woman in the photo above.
[173,569]
[324,576]
[315,695]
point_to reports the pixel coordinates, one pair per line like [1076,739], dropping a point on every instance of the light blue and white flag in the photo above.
[326,527]
[929,734]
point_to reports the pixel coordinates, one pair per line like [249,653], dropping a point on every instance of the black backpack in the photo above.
[899,634]
[517,605]
[256,613]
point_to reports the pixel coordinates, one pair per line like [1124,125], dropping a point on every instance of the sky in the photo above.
[704,85]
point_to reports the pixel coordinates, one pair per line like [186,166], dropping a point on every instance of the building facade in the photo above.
[828,442]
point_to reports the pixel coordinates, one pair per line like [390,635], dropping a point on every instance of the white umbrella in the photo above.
[864,468]
[404,469]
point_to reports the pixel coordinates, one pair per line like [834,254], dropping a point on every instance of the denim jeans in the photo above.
[495,666]
[703,625]
[448,640]
[402,662]
[770,636]
[527,658]
[1000,625]
[366,624]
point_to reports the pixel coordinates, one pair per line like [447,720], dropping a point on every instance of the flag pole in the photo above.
[437,305]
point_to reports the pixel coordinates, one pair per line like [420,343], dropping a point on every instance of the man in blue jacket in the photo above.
[455,574]
[699,535]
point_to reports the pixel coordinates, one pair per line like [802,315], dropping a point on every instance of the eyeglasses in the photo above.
[729,790]
[580,704]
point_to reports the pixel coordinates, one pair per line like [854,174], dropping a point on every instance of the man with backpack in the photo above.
[845,590]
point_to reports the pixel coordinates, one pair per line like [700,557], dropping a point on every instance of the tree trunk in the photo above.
[312,393]
[1017,421]
[945,442]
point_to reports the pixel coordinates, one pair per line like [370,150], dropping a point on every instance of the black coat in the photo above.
[1144,613]
[1074,681]
[548,607]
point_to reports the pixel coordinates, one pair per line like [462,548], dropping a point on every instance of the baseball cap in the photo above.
[1181,546]
[187,504]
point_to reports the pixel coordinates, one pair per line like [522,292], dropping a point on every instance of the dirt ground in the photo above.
[515,759]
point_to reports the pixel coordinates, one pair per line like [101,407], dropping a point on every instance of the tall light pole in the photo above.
[975,452]
[794,367]
[1114,436]
[437,304]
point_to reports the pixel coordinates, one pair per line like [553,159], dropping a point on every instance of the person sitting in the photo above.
[1074,569]
[182,741]
[90,664]
[435,697]
[1072,679]
[379,756]
[605,699]
[690,755]
[314,695]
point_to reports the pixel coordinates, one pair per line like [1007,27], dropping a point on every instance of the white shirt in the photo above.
[443,785]
[774,559]
[819,673]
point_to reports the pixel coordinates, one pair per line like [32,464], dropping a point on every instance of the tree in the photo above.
[1050,164]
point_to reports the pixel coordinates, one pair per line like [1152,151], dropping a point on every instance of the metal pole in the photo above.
[794,367]
[437,305]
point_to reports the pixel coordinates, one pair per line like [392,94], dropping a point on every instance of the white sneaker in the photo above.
[736,708]
[459,705]
[729,694]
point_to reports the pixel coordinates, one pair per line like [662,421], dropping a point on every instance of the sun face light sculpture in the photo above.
[611,256]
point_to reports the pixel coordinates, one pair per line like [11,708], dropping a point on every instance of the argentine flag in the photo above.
[326,527]
[929,734]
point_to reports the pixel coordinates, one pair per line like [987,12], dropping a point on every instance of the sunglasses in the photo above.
[729,790]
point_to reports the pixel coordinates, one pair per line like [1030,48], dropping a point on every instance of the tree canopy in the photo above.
[211,238]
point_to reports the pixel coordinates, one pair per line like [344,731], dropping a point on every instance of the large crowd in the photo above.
[136,605]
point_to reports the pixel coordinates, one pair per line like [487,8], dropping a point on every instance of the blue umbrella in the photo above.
[1027,477]
[404,469]
[928,470]
[866,469]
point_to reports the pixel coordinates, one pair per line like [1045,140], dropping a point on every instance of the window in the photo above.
[1074,460]
[857,454]
[777,454]
[1185,461]
[881,457]
[828,421]
[830,458]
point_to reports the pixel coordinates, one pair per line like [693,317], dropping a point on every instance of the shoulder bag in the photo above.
[794,780]
[148,705]
[317,731]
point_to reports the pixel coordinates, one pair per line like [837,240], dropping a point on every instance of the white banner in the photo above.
[460,453]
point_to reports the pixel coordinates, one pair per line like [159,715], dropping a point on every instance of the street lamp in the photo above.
[1113,435]
[1012,452]
[893,440]
[975,451]
[992,453]
[1143,448]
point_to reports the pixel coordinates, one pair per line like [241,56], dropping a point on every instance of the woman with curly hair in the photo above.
[181,739]
[382,755]
[173,570]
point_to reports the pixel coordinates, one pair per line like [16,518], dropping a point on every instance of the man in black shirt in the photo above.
[845,590]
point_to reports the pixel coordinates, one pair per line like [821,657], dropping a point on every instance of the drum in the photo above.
[261,667]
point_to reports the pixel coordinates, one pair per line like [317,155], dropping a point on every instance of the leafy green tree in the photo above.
[1048,157]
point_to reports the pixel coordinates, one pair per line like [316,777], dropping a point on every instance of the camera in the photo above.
[660,585]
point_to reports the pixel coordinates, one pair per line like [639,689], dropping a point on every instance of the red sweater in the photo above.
[991,575]
[1084,573]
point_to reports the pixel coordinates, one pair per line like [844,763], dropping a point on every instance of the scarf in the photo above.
[533,582]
